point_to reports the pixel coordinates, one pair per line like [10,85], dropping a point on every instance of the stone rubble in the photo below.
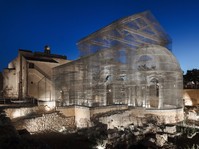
[144,131]
[161,139]
[49,122]
[108,131]
[170,129]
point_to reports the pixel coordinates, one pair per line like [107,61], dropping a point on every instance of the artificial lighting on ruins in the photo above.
[123,65]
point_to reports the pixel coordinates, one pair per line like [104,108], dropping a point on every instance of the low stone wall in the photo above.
[83,114]
[17,112]
[167,116]
[48,122]
[104,109]
[67,111]
[13,113]
[118,115]
[140,116]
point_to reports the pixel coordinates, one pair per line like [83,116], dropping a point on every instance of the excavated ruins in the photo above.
[124,91]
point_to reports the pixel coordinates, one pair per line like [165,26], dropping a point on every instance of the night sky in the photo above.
[32,24]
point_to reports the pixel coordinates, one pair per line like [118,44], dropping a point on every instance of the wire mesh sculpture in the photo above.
[127,62]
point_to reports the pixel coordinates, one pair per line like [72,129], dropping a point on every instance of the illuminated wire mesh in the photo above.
[127,62]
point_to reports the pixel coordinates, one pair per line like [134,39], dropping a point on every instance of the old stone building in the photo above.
[29,75]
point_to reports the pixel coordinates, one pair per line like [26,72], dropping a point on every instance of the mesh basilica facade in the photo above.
[128,62]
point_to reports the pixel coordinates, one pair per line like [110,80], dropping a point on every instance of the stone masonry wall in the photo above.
[139,116]
[21,112]
[83,114]
[98,110]
[47,122]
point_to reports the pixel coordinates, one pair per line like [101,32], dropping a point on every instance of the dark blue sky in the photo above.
[31,24]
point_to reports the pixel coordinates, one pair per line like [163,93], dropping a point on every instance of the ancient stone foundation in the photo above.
[140,116]
[84,114]
[53,122]
[121,116]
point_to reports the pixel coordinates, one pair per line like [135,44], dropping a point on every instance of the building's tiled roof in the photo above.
[49,55]
[40,56]
[42,59]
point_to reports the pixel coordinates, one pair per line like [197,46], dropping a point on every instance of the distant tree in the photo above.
[1,81]
[191,79]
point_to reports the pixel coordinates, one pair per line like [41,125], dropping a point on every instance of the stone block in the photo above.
[170,129]
[161,139]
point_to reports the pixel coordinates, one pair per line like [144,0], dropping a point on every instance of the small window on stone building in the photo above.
[31,82]
[31,65]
